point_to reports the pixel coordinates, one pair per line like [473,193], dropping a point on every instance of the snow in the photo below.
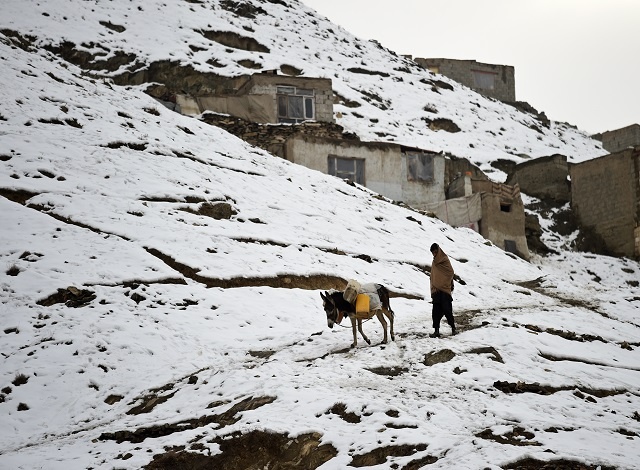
[111,219]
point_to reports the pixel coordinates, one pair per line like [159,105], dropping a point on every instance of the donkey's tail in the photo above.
[383,293]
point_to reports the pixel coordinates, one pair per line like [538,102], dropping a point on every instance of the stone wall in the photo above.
[544,178]
[605,196]
[620,139]
[272,138]
[462,71]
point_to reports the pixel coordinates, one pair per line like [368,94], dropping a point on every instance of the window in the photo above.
[347,168]
[505,206]
[510,246]
[419,167]
[295,104]
[484,80]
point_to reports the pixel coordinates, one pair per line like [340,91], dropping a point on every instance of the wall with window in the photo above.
[495,81]
[268,98]
[502,222]
[502,217]
[401,174]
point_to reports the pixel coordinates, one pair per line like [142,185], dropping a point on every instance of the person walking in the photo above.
[441,283]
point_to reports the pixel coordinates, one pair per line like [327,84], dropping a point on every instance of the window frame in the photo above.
[287,98]
[480,75]
[356,175]
[505,206]
[420,167]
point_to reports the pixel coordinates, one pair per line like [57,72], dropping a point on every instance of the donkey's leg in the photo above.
[390,316]
[381,319]
[355,334]
[362,332]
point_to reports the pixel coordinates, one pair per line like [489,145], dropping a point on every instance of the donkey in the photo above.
[336,308]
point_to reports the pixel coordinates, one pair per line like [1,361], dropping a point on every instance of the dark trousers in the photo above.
[442,307]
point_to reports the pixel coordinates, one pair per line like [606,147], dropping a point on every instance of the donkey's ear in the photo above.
[322,296]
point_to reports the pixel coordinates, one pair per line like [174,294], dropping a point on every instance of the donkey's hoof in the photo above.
[353,345]
[368,340]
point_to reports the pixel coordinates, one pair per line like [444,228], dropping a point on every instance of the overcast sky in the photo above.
[576,60]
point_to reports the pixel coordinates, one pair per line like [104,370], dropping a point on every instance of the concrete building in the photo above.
[494,210]
[266,98]
[620,139]
[544,178]
[605,196]
[410,175]
[495,81]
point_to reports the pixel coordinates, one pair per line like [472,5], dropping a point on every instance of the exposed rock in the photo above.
[290,70]
[273,138]
[254,450]
[494,355]
[230,39]
[556,464]
[516,437]
[244,9]
[442,124]
[381,455]
[340,409]
[112,399]
[71,297]
[444,355]
[389,371]
[218,211]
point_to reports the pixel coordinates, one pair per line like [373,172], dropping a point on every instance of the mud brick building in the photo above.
[619,139]
[605,196]
[544,178]
[266,98]
[495,81]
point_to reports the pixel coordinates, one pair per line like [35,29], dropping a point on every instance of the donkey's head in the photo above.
[330,308]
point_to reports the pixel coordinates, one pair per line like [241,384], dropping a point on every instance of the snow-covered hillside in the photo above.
[384,96]
[160,307]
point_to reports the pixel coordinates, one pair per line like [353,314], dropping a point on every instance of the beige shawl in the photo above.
[441,273]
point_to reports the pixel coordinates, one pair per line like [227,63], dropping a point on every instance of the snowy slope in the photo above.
[393,96]
[212,327]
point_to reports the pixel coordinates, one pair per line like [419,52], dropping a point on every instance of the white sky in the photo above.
[576,60]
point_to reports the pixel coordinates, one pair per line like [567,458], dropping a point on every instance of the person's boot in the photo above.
[453,330]
[435,334]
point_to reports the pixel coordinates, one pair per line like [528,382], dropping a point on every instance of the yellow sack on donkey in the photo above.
[362,303]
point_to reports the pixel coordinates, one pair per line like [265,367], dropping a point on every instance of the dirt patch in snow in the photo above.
[381,455]
[559,464]
[254,450]
[224,419]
